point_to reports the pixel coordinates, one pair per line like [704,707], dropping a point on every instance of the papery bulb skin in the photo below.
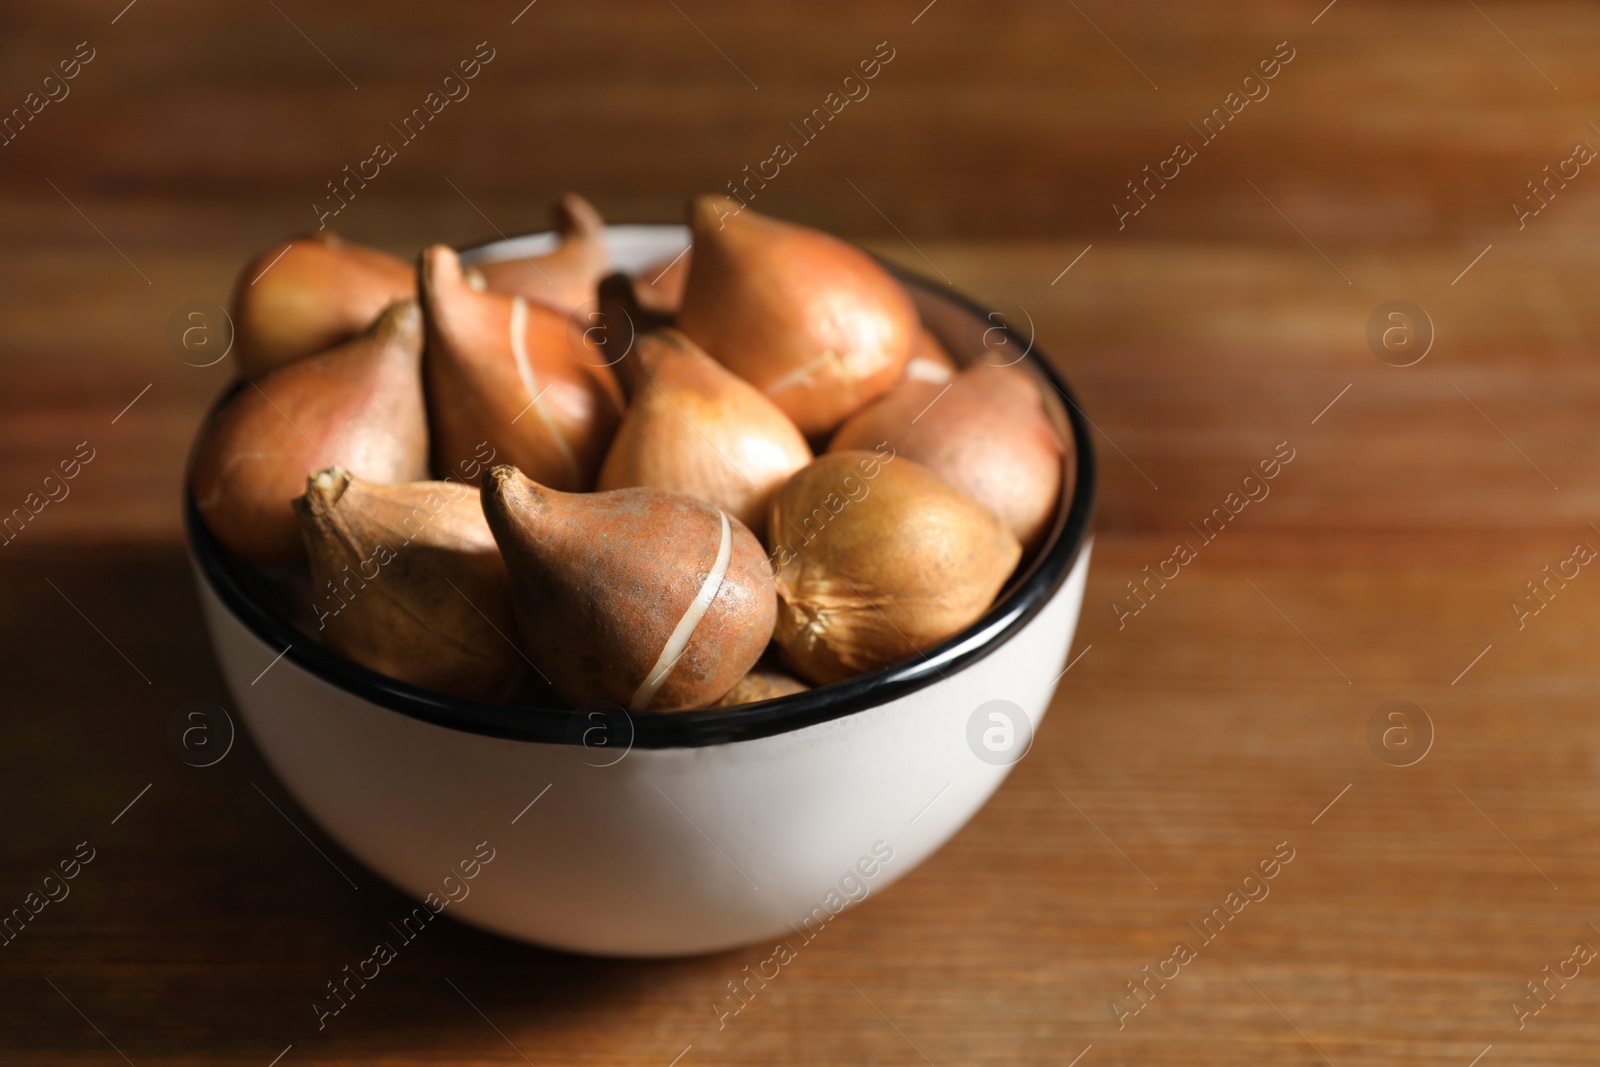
[812,322]
[306,295]
[984,431]
[878,559]
[760,685]
[358,406]
[412,583]
[696,428]
[509,378]
[641,598]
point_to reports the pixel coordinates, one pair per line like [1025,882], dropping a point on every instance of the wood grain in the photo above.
[1190,739]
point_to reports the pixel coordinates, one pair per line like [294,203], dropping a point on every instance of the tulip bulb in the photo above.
[660,286]
[564,279]
[358,406]
[694,428]
[647,599]
[759,685]
[408,581]
[809,320]
[878,559]
[308,294]
[507,374]
[984,432]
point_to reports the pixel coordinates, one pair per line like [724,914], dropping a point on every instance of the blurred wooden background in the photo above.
[1224,318]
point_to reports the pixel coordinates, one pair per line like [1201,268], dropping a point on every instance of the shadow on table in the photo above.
[203,920]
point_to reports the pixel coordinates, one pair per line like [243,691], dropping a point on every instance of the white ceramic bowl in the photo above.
[661,835]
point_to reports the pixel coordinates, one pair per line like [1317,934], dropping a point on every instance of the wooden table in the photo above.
[1227,719]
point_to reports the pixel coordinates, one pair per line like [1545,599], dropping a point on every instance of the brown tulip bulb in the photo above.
[407,580]
[643,598]
[660,286]
[929,360]
[695,428]
[878,559]
[507,378]
[308,294]
[357,406]
[807,319]
[761,685]
[984,432]
[565,278]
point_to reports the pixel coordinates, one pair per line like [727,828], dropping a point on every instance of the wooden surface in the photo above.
[1183,747]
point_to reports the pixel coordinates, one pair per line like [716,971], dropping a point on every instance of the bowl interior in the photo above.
[967,330]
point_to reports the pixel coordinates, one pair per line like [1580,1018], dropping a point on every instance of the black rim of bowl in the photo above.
[609,726]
